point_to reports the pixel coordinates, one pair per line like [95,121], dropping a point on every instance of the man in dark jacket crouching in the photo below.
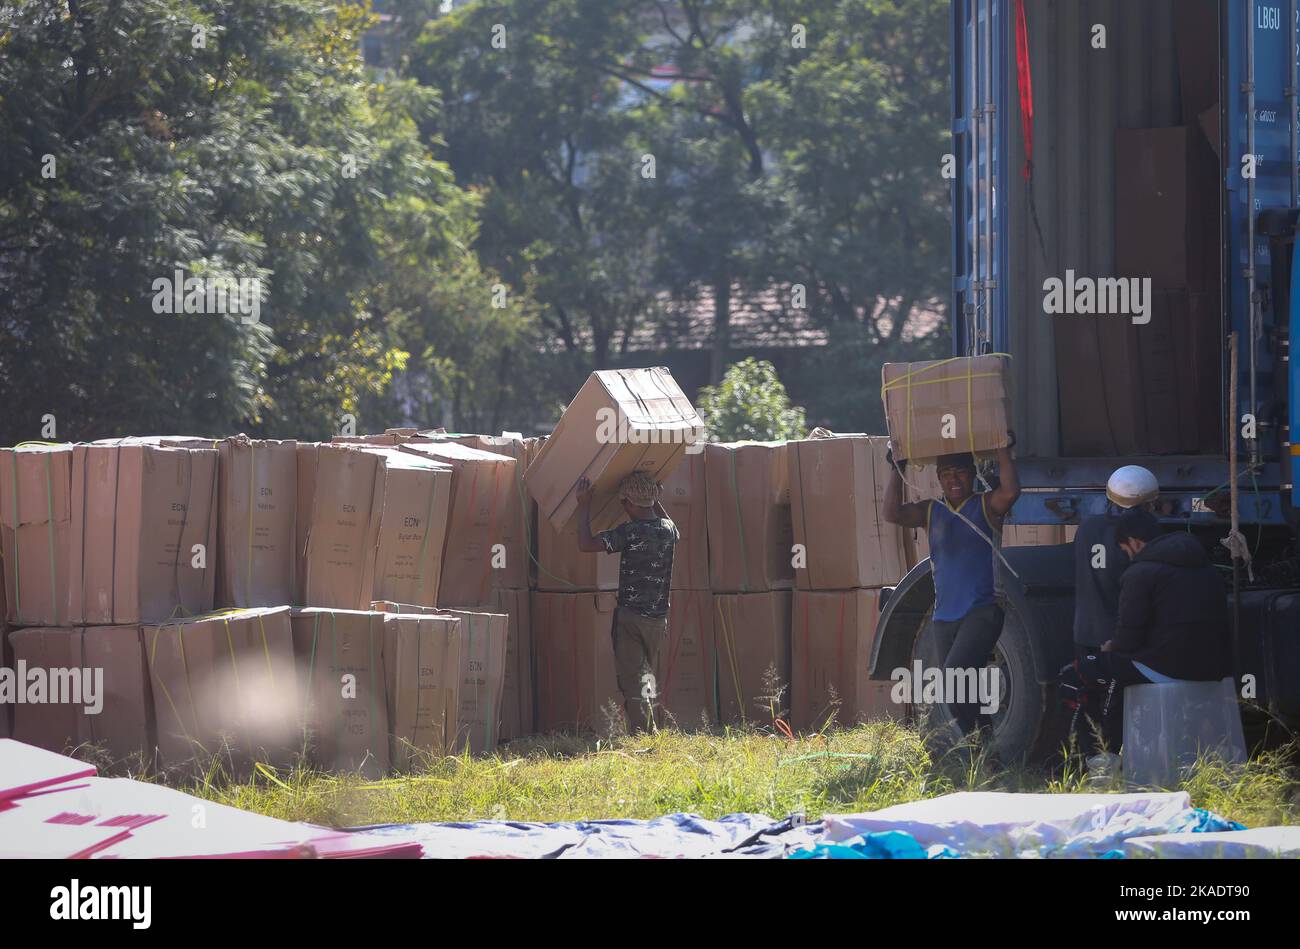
[1173,612]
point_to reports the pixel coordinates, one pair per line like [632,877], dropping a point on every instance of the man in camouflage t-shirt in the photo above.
[645,574]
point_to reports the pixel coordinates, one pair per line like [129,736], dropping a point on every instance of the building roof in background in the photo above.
[759,320]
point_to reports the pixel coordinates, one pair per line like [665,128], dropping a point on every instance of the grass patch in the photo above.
[554,778]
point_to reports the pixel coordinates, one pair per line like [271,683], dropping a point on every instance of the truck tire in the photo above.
[1023,723]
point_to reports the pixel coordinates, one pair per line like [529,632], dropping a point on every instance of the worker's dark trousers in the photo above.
[1092,688]
[968,643]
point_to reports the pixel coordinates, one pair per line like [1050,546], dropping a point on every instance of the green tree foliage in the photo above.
[796,142]
[750,404]
[233,138]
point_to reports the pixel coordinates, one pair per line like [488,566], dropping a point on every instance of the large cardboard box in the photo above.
[376,528]
[1033,535]
[685,674]
[342,526]
[483,644]
[480,534]
[422,664]
[1153,377]
[752,658]
[105,668]
[483,647]
[257,521]
[45,723]
[684,499]
[225,683]
[837,488]
[621,420]
[966,397]
[573,640]
[340,659]
[833,633]
[563,568]
[144,532]
[414,507]
[519,519]
[36,533]
[518,700]
[750,534]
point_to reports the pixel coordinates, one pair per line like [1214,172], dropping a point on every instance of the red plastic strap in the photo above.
[1025,80]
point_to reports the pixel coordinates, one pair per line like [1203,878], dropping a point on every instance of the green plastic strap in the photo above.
[311,669]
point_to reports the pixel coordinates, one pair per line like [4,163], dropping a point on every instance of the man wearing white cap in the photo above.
[1099,562]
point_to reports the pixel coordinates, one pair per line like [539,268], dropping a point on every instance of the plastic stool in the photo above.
[1168,724]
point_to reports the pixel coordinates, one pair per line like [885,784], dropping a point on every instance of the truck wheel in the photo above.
[1024,705]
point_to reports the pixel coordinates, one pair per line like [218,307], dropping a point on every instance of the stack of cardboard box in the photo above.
[751,570]
[100,540]
[489,556]
[845,553]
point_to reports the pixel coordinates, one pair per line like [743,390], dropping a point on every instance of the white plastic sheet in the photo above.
[989,823]
[1256,843]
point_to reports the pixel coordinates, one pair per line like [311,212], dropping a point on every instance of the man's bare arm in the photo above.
[1008,489]
[894,510]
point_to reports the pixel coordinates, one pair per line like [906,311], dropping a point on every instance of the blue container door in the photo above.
[980,84]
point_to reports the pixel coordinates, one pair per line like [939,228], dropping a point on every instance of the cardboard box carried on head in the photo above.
[621,420]
[946,406]
[750,533]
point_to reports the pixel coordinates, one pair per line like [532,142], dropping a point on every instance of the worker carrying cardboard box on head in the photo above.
[1099,564]
[645,576]
[964,529]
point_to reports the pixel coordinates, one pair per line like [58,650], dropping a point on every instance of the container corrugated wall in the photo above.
[1081,95]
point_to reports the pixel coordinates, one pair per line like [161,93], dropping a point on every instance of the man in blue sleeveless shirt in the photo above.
[964,528]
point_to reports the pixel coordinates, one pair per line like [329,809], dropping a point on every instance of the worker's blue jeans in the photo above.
[968,643]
